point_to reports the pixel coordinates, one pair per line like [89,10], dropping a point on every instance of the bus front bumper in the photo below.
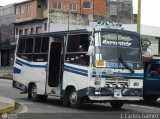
[105,98]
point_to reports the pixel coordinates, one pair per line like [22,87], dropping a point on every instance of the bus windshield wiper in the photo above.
[126,65]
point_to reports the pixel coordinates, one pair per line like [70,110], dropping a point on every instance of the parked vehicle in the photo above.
[152,78]
[86,65]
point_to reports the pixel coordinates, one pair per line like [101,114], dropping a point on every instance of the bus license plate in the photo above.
[117,93]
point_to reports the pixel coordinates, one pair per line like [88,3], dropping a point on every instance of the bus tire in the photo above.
[32,93]
[116,104]
[150,98]
[65,98]
[74,100]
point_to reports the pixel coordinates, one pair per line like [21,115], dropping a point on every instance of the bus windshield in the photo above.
[115,46]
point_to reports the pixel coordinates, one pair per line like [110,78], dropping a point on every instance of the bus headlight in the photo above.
[110,85]
[118,85]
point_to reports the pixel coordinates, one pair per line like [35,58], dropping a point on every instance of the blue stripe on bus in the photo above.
[16,70]
[77,69]
[104,74]
[84,72]
[31,65]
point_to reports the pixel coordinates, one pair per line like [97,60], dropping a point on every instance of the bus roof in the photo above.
[82,31]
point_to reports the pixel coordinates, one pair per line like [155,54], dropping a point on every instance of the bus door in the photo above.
[54,64]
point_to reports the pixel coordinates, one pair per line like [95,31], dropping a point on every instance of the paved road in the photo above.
[53,109]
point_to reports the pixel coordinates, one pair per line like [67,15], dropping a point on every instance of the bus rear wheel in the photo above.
[116,104]
[74,100]
[32,94]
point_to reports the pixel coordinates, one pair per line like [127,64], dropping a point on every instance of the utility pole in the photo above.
[139,17]
[48,24]
[68,13]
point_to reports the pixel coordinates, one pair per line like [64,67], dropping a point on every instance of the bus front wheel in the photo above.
[116,104]
[74,100]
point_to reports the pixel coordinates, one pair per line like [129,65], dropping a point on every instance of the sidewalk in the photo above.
[7,105]
[6,72]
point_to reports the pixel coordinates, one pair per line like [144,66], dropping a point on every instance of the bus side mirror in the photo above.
[91,51]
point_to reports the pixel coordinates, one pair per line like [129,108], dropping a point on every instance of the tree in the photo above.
[145,44]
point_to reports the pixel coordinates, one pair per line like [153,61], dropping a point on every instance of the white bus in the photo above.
[82,66]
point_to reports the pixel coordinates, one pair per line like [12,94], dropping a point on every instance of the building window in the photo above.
[26,31]
[16,31]
[87,5]
[57,5]
[16,10]
[22,9]
[20,32]
[32,30]
[28,8]
[45,5]
[73,7]
[38,29]
[45,26]
[39,6]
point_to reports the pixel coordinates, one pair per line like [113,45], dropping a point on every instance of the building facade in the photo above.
[6,35]
[30,17]
[120,11]
[92,7]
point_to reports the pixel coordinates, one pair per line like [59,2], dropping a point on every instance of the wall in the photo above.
[98,7]
[26,15]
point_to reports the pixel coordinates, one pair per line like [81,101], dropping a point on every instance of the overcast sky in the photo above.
[150,10]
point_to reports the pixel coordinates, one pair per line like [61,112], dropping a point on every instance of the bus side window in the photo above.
[41,49]
[21,46]
[25,49]
[77,49]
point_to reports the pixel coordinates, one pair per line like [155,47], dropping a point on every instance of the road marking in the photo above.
[153,108]
[24,109]
[52,107]
[26,103]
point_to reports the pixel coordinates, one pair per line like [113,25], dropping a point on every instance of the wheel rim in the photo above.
[73,98]
[34,91]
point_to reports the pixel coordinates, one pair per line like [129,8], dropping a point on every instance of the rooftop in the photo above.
[26,1]
[145,29]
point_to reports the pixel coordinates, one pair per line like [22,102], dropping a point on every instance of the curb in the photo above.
[1,77]
[9,108]
[7,105]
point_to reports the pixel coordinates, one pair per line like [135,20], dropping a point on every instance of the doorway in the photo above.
[55,64]
[5,58]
